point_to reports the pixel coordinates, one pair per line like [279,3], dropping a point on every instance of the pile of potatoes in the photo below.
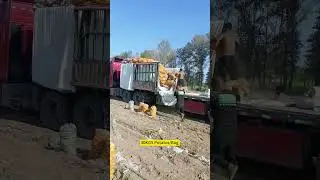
[142,60]
[152,111]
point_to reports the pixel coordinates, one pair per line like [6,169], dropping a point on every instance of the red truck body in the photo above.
[196,106]
[115,70]
[19,13]
[283,147]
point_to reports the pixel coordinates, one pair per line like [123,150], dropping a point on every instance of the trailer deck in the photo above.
[279,113]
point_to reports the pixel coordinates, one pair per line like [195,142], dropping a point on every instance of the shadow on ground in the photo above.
[28,117]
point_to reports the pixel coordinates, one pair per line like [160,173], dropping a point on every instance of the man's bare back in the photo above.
[226,65]
[226,44]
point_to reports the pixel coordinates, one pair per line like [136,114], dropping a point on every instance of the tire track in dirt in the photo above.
[135,130]
[158,162]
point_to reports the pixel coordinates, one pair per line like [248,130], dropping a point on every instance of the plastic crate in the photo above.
[223,100]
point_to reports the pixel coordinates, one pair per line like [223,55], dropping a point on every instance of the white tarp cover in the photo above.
[167,96]
[126,76]
[53,47]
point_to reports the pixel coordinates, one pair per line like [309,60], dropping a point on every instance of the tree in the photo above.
[165,54]
[269,35]
[201,48]
[148,54]
[126,54]
[184,56]
[193,57]
[313,62]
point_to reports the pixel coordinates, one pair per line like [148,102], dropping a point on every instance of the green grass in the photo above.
[198,88]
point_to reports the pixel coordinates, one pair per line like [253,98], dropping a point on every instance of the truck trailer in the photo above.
[55,61]
[140,83]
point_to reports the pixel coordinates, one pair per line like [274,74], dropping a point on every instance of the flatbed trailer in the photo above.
[197,104]
[285,136]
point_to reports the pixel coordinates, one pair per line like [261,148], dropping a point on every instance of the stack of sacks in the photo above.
[167,78]
[142,60]
[113,153]
[163,75]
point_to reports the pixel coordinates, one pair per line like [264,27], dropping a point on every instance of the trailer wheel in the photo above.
[88,114]
[141,97]
[53,110]
[126,95]
[136,97]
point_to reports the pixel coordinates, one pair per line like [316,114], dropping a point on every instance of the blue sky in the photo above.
[138,25]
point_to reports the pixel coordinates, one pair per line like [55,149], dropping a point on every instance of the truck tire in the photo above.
[136,97]
[53,110]
[88,114]
[126,96]
[141,97]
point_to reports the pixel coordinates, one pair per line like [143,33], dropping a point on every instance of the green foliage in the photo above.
[269,31]
[193,57]
[126,54]
[165,54]
[148,54]
[313,61]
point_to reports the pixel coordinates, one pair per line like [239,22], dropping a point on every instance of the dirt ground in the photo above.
[23,154]
[190,161]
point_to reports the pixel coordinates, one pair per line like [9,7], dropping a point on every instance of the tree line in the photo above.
[271,49]
[192,58]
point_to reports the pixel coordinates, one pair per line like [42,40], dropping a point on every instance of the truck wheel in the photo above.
[88,114]
[53,110]
[126,96]
[146,98]
[140,97]
[136,97]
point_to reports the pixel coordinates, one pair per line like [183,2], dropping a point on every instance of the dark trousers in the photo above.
[181,82]
[227,67]
[180,103]
[223,135]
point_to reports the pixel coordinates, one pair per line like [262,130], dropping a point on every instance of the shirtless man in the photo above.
[181,78]
[226,66]
[224,122]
